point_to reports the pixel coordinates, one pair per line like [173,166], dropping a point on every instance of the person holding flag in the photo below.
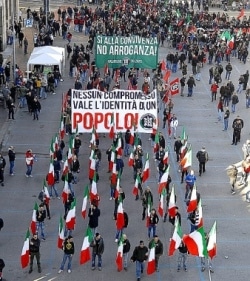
[69,250]
[152,223]
[126,249]
[147,199]
[97,250]
[190,181]
[34,250]
[158,249]
[182,256]
[203,259]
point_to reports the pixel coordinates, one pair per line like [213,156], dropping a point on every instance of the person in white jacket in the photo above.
[173,125]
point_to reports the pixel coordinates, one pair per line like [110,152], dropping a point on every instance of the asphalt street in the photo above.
[199,117]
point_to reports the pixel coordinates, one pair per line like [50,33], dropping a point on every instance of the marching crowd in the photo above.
[187,32]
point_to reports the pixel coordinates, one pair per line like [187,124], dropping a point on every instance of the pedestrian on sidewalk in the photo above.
[12,157]
[20,38]
[11,106]
[202,157]
[25,43]
[226,118]
[2,265]
[69,250]
[29,159]
[36,108]
[34,249]
[2,166]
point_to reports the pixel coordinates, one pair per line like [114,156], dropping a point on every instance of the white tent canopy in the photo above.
[49,50]
[47,55]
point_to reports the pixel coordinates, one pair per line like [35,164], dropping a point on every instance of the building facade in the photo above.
[7,9]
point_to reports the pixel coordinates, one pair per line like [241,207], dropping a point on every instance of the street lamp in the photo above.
[46,10]
[14,44]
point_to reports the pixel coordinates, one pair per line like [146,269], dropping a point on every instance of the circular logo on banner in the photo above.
[147,121]
[175,87]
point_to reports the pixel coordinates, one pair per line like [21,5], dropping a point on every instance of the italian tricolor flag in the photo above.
[119,145]
[66,190]
[172,204]
[93,136]
[85,251]
[165,157]
[146,169]
[176,239]
[112,158]
[112,127]
[62,130]
[71,216]
[25,251]
[93,190]
[184,136]
[51,174]
[136,185]
[52,148]
[114,174]
[161,203]
[193,200]
[65,167]
[120,215]
[33,220]
[131,159]
[187,160]
[60,238]
[183,149]
[119,255]
[163,181]
[211,246]
[156,143]
[149,208]
[196,242]
[46,192]
[200,215]
[151,259]
[132,135]
[85,201]
[92,165]
[71,149]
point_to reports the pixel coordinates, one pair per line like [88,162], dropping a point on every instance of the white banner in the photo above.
[129,107]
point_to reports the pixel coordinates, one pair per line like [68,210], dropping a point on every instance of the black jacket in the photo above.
[98,246]
[140,254]
[94,214]
[126,246]
[34,245]
[11,154]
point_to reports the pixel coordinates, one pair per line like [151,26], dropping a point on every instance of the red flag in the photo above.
[165,97]
[167,75]
[174,86]
[241,14]
[106,69]
[163,65]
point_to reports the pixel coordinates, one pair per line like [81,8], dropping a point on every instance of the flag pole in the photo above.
[209,273]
